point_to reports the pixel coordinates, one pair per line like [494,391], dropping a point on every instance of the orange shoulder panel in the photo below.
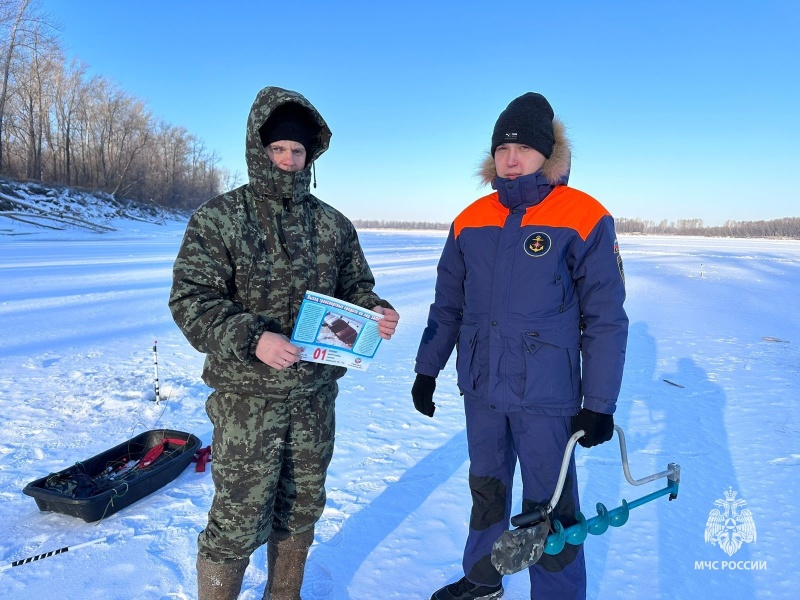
[567,207]
[484,212]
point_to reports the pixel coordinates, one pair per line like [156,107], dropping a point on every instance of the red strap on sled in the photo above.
[150,457]
[201,457]
[175,441]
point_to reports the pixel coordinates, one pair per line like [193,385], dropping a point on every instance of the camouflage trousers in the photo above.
[270,460]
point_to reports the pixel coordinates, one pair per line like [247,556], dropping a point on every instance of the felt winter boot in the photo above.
[286,563]
[220,581]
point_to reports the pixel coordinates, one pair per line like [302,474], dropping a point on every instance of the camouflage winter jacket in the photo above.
[249,255]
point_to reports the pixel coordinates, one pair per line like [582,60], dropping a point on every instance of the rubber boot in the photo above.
[220,581]
[286,563]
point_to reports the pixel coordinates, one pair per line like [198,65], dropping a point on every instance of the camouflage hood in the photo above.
[267,180]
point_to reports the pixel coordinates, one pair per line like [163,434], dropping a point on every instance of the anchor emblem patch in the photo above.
[537,244]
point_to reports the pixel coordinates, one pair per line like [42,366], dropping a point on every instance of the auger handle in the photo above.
[562,476]
[533,517]
[673,474]
[539,513]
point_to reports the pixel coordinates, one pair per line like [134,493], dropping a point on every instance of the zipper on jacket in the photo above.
[282,236]
[558,281]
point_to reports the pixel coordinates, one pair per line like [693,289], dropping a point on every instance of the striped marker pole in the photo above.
[30,559]
[155,365]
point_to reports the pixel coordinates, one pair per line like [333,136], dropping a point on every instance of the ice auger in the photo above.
[536,533]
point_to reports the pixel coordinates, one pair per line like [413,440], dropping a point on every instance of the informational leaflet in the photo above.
[334,332]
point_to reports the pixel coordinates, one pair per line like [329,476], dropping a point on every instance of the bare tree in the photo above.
[35,83]
[172,147]
[20,20]
[69,90]
[231,180]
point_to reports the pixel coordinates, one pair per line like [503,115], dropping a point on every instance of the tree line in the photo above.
[382,224]
[788,227]
[60,125]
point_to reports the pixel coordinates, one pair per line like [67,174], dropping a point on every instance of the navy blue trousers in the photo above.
[497,441]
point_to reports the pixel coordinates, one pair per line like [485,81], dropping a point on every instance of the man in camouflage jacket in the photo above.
[247,258]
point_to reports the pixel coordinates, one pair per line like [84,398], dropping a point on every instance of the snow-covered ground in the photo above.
[79,312]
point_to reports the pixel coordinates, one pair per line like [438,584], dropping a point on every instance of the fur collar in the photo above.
[555,169]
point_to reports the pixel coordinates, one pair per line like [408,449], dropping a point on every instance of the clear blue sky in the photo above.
[676,109]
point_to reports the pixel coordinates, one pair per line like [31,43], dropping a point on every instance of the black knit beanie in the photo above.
[290,122]
[527,120]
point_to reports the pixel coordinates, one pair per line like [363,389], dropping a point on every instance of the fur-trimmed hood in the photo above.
[555,169]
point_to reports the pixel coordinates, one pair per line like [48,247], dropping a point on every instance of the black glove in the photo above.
[422,393]
[598,427]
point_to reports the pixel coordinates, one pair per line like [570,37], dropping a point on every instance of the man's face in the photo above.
[287,155]
[516,160]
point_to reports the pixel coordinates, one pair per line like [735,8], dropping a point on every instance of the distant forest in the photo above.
[58,125]
[788,227]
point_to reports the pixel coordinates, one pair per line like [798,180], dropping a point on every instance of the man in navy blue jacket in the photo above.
[530,291]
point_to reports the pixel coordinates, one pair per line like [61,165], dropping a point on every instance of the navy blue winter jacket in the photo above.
[530,291]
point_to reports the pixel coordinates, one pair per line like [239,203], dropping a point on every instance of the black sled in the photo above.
[97,487]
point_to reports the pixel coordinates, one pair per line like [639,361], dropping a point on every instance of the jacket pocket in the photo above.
[467,367]
[552,365]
